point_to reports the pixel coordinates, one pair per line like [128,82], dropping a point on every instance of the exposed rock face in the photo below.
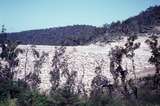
[83,59]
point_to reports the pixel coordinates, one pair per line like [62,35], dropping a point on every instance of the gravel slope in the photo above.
[83,59]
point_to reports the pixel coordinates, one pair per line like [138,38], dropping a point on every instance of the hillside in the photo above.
[69,35]
[147,21]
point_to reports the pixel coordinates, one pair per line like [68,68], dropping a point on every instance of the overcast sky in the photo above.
[20,15]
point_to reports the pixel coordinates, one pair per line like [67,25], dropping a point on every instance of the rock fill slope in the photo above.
[84,60]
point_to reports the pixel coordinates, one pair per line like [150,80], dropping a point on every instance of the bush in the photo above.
[32,98]
[151,97]
[65,97]
[11,89]
[9,102]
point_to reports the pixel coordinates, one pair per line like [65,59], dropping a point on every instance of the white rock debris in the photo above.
[83,59]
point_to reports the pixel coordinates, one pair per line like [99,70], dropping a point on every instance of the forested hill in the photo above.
[68,35]
[147,21]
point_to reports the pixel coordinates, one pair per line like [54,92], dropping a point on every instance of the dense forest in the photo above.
[69,35]
[145,22]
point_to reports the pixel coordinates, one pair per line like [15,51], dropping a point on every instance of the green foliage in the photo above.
[149,97]
[57,65]
[32,98]
[65,97]
[8,90]
[9,102]
[155,58]
[155,50]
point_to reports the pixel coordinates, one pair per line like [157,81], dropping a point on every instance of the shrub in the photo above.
[32,98]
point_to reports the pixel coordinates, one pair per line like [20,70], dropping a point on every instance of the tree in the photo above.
[57,64]
[81,86]
[130,47]
[33,78]
[65,94]
[101,89]
[8,55]
[3,36]
[155,57]
[116,69]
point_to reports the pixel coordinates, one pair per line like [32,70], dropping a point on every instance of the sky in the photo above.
[20,15]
